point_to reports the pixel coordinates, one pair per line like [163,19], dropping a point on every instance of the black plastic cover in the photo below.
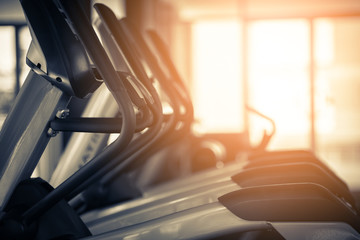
[289,202]
[55,52]
[292,173]
[59,222]
[282,158]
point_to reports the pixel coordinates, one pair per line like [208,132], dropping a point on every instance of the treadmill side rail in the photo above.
[204,222]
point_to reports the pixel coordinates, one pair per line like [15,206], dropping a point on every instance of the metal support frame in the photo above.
[100,125]
[24,135]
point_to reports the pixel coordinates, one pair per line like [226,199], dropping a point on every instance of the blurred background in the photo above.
[295,61]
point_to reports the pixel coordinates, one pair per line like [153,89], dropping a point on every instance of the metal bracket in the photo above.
[61,114]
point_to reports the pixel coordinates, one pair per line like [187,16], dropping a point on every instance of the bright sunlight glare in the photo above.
[217,85]
[279,78]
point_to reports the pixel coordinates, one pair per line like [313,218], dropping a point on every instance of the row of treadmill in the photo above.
[138,108]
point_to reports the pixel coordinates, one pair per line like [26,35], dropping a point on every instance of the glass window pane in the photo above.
[217,85]
[25,40]
[7,69]
[279,81]
[338,93]
[8,65]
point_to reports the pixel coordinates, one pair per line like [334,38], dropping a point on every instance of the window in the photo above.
[337,93]
[278,80]
[8,64]
[217,85]
[7,69]
[303,73]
